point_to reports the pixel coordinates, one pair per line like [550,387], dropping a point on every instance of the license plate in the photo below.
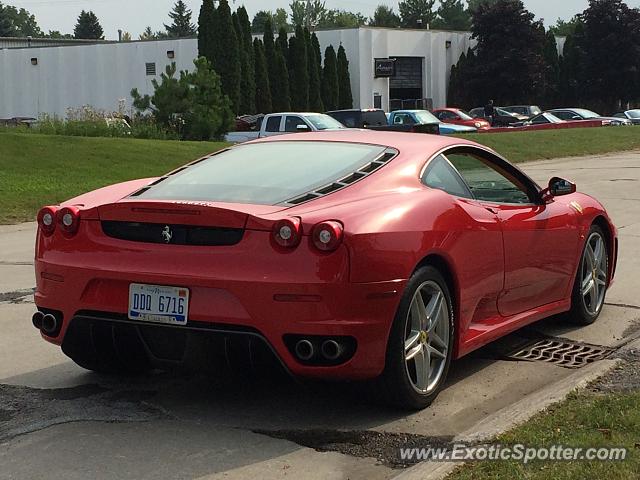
[160,304]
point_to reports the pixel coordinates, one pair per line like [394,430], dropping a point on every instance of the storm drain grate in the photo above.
[561,352]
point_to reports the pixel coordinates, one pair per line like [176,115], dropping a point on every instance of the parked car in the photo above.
[346,255]
[632,115]
[580,114]
[501,118]
[376,119]
[544,118]
[529,111]
[422,117]
[460,117]
[288,122]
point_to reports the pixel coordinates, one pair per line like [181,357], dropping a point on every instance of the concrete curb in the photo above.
[510,416]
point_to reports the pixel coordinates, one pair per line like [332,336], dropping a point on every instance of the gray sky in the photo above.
[135,15]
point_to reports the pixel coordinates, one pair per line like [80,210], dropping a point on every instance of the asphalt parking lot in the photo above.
[59,421]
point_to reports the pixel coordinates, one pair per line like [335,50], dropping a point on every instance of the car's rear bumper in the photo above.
[297,295]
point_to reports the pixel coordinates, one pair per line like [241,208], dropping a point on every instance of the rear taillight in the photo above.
[68,220]
[288,233]
[327,236]
[47,220]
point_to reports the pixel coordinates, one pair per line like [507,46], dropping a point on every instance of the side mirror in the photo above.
[302,128]
[558,187]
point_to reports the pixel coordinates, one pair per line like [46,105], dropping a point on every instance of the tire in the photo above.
[592,279]
[400,384]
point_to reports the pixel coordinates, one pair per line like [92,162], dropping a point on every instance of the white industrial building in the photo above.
[50,79]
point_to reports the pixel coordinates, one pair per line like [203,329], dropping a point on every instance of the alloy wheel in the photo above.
[427,337]
[593,278]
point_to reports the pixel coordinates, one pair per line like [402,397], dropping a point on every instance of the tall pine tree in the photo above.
[330,79]
[263,89]
[283,42]
[206,29]
[181,25]
[226,59]
[281,95]
[298,71]
[315,95]
[345,97]
[248,81]
[88,27]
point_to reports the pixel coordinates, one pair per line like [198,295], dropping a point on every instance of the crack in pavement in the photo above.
[17,296]
[26,410]
[383,446]
[623,305]
[12,264]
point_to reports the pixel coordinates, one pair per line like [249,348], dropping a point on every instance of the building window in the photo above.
[171,54]
[151,69]
[34,61]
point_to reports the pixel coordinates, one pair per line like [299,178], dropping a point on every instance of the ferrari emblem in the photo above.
[167,235]
[576,206]
[424,336]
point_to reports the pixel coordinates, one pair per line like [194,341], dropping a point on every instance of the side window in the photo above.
[487,181]
[442,176]
[291,123]
[564,115]
[402,119]
[273,124]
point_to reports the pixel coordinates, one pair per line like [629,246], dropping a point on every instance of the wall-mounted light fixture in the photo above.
[448,43]
[171,54]
[34,61]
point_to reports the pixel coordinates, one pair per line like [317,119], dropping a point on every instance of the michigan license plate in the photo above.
[160,304]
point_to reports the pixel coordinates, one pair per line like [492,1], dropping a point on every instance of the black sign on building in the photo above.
[385,67]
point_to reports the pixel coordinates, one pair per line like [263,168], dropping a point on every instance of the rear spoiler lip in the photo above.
[205,214]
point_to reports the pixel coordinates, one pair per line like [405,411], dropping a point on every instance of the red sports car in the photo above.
[350,255]
[460,117]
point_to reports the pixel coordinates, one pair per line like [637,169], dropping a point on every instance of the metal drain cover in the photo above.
[562,352]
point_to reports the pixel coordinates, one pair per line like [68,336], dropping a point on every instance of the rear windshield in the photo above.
[375,118]
[265,173]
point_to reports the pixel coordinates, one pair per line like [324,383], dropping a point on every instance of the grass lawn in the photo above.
[544,144]
[38,170]
[583,420]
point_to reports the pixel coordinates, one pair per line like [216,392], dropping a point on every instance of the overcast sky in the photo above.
[135,15]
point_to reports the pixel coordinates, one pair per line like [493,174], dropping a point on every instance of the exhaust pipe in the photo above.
[331,350]
[49,324]
[37,319]
[304,350]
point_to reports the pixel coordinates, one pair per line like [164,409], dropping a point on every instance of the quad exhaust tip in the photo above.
[45,322]
[331,350]
[304,350]
[37,319]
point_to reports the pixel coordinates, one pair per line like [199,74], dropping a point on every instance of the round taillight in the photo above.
[47,220]
[327,236]
[288,233]
[68,220]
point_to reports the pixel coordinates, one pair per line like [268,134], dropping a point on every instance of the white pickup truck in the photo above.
[288,122]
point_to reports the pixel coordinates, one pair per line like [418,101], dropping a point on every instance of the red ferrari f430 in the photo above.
[350,255]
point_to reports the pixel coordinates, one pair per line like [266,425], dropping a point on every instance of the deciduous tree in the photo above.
[452,15]
[417,13]
[384,16]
